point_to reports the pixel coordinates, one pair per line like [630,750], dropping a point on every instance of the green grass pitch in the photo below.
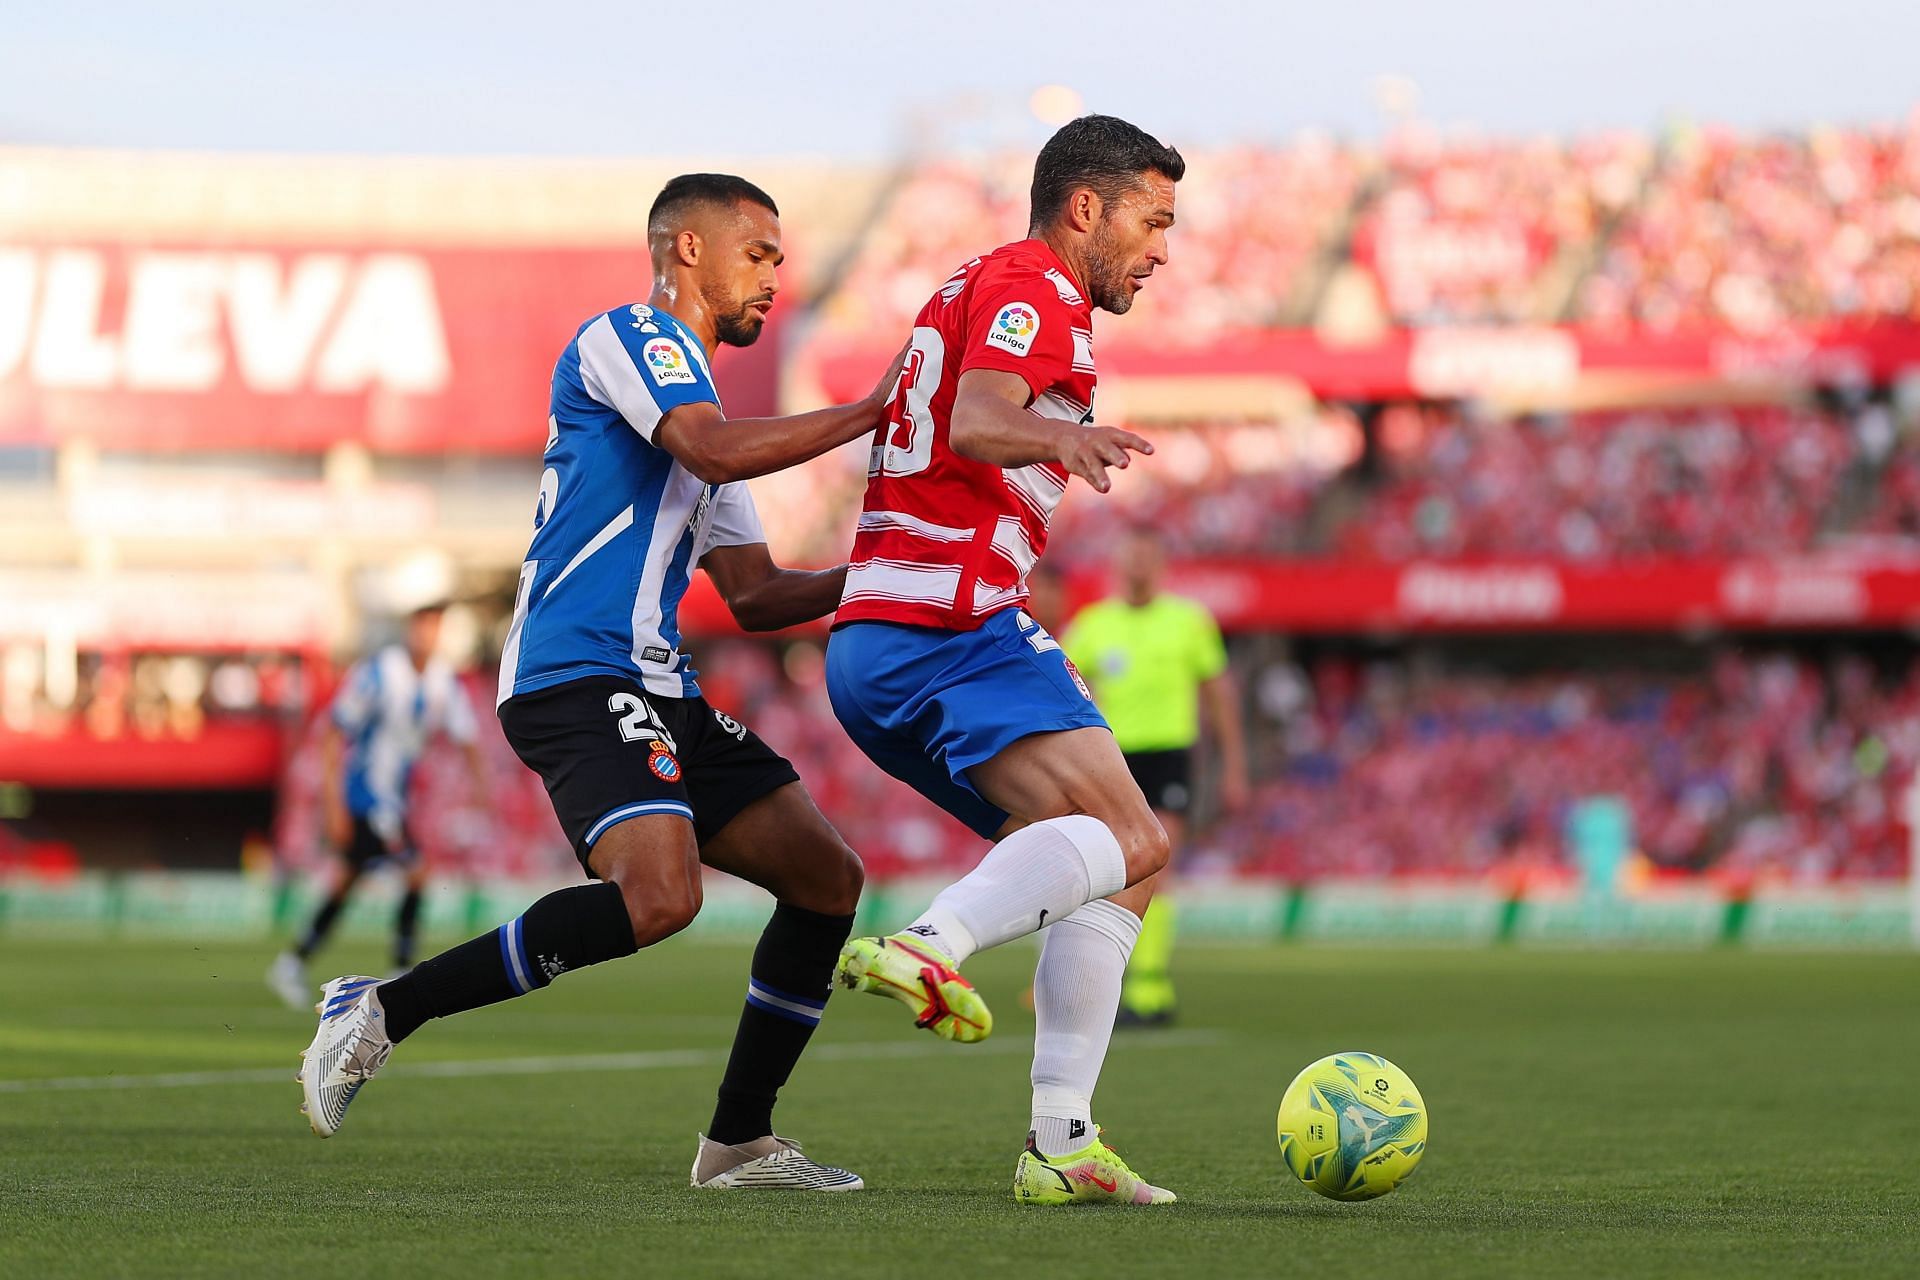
[1594,1114]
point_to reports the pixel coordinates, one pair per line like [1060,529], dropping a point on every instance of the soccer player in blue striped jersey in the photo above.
[388,707]
[644,482]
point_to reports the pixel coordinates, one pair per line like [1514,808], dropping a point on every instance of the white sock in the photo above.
[1076,992]
[1036,876]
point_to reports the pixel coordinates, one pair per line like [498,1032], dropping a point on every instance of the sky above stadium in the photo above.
[867,78]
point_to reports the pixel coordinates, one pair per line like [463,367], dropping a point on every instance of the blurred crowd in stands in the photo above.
[1483,232]
[1772,767]
[1716,482]
[1698,227]
[1442,480]
[1751,766]
[1759,232]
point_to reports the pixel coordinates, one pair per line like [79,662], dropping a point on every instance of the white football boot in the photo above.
[350,1046]
[771,1163]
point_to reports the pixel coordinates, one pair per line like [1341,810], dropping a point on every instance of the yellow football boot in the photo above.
[904,967]
[1095,1174]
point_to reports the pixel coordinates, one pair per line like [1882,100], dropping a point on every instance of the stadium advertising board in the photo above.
[1844,591]
[228,346]
[1848,592]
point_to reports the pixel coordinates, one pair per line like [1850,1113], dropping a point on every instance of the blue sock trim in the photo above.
[779,1003]
[769,989]
[511,956]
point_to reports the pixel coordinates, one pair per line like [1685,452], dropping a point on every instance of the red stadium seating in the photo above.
[1704,228]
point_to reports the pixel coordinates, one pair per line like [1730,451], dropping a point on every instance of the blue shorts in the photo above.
[927,705]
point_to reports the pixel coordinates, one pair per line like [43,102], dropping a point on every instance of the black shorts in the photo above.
[608,750]
[1165,778]
[369,847]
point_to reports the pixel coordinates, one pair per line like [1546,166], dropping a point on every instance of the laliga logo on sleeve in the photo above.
[1015,328]
[667,363]
[660,759]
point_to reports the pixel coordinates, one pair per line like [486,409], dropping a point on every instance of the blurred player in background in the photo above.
[1155,662]
[389,706]
[644,482]
[940,675]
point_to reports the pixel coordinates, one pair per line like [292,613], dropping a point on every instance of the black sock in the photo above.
[567,929]
[791,978]
[404,928]
[322,925]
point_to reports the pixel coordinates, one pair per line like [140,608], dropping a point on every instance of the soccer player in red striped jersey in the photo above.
[941,676]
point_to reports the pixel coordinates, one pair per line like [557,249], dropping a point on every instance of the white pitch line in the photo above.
[654,1060]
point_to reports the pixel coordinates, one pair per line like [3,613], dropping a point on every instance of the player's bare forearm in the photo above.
[1223,707]
[330,753]
[791,597]
[989,427]
[721,450]
[762,596]
[991,423]
[336,821]
[1222,704]
[477,767]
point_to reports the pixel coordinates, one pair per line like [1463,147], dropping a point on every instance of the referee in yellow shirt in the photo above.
[1155,662]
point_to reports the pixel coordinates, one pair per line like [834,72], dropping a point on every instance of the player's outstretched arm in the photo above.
[337,819]
[764,597]
[991,423]
[720,450]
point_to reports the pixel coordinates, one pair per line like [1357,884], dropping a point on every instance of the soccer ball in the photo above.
[1352,1126]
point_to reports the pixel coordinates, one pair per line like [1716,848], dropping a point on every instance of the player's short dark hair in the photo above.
[1102,152]
[690,189]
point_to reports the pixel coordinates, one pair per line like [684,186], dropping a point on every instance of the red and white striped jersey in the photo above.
[945,541]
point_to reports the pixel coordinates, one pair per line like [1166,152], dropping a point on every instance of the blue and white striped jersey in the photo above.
[620,523]
[388,711]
